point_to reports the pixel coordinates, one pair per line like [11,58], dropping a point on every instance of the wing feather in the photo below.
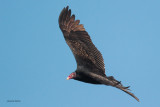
[85,52]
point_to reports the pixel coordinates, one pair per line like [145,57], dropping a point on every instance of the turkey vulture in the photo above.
[90,64]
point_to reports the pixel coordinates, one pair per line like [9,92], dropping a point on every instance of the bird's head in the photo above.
[72,76]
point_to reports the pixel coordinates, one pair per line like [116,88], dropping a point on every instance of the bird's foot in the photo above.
[114,80]
[127,88]
[118,83]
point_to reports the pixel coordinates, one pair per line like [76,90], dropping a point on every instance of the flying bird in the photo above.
[90,63]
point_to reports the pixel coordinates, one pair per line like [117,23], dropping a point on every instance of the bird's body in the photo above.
[88,75]
[90,64]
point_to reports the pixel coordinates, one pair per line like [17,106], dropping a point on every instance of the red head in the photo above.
[71,76]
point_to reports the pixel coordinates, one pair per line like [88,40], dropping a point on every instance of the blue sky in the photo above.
[35,60]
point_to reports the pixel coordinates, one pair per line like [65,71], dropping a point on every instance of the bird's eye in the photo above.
[72,75]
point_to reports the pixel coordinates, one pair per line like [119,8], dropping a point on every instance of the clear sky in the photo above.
[35,60]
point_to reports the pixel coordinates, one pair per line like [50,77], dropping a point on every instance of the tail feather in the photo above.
[126,90]
[118,85]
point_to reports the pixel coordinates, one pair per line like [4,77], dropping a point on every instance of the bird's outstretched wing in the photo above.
[85,52]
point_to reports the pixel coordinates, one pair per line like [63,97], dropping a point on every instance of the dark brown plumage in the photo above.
[90,64]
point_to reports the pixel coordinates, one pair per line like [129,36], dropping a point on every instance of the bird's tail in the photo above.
[118,85]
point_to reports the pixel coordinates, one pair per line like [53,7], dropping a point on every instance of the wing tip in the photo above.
[67,21]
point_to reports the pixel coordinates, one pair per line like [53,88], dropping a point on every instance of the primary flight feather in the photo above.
[90,63]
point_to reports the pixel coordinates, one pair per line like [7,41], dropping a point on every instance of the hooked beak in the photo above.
[68,78]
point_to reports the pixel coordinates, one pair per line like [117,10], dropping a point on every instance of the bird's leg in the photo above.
[114,80]
[117,82]
[111,78]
